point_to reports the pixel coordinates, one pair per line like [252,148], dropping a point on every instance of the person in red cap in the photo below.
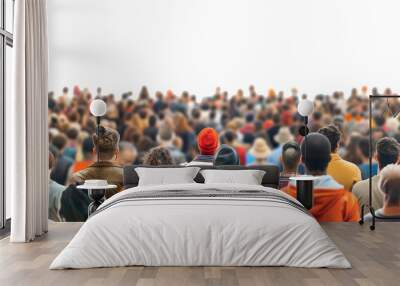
[207,142]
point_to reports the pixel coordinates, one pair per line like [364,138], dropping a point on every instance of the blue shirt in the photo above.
[364,168]
[274,157]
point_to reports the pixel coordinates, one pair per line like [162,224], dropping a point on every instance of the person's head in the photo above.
[65,90]
[127,153]
[165,136]
[152,121]
[72,134]
[284,135]
[363,148]
[260,150]
[226,155]
[106,143]
[207,141]
[60,141]
[229,137]
[181,123]
[333,134]
[316,153]
[87,148]
[291,155]
[158,156]
[389,182]
[387,152]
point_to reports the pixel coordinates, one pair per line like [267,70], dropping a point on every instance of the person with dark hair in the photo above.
[105,168]
[230,139]
[331,201]
[290,158]
[60,171]
[387,152]
[351,153]
[315,122]
[274,129]
[342,171]
[207,142]
[363,154]
[72,142]
[158,156]
[151,130]
[388,184]
[226,155]
[86,161]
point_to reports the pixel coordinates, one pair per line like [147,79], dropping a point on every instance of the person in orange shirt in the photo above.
[332,203]
[88,158]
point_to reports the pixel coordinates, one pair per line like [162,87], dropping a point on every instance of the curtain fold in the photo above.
[27,139]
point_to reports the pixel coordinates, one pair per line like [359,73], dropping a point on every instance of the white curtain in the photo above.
[26,123]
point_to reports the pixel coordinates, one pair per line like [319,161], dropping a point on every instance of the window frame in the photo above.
[6,39]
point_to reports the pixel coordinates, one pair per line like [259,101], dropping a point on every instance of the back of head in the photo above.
[152,120]
[158,156]
[72,133]
[315,151]
[389,182]
[291,155]
[207,141]
[59,141]
[387,151]
[226,155]
[333,134]
[229,136]
[363,146]
[165,133]
[106,143]
[87,146]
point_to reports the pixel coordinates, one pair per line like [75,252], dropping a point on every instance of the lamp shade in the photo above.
[305,107]
[98,107]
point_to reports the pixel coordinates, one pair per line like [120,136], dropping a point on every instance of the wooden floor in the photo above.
[375,257]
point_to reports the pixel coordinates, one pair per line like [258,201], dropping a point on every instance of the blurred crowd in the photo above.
[256,125]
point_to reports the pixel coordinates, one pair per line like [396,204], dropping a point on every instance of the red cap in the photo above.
[207,140]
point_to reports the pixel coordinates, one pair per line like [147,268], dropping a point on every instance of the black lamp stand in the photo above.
[371,208]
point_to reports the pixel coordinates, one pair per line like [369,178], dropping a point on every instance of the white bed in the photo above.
[246,226]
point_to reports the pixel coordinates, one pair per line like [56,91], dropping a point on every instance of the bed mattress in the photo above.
[201,225]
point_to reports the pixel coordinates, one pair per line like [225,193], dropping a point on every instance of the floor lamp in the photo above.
[98,108]
[371,209]
[97,188]
[304,184]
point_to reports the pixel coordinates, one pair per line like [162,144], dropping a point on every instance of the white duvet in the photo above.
[203,231]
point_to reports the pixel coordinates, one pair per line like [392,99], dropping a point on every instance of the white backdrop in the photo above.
[317,46]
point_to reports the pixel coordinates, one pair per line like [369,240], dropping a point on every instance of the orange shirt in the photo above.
[332,203]
[81,165]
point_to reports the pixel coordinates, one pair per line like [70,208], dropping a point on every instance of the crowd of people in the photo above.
[245,129]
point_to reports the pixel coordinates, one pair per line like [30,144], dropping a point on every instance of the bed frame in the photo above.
[270,179]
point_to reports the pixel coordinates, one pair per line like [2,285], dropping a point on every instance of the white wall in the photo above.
[318,46]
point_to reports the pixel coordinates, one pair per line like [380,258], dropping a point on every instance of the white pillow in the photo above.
[166,176]
[248,177]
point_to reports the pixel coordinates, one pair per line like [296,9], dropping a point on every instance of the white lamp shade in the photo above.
[305,107]
[98,108]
